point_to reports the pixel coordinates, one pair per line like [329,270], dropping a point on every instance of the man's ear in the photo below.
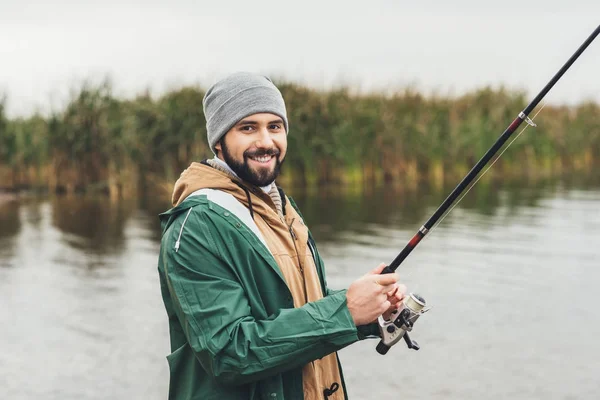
[218,147]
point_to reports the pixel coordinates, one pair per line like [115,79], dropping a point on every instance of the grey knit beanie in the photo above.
[236,97]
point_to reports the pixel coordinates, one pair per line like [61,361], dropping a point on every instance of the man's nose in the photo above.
[264,139]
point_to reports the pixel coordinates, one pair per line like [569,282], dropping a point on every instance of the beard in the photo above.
[260,177]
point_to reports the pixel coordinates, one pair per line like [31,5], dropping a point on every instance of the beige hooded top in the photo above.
[287,239]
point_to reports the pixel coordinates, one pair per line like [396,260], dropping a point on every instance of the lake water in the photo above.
[512,275]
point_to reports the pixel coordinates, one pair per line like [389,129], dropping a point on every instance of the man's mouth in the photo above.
[262,159]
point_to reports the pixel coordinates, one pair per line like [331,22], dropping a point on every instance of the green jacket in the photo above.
[235,333]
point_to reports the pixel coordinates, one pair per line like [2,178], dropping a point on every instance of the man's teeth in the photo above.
[262,158]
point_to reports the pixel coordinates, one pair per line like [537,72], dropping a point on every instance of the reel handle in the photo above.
[382,348]
[412,344]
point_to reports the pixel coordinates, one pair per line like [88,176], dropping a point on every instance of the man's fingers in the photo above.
[377,270]
[401,291]
[385,306]
[386,289]
[387,279]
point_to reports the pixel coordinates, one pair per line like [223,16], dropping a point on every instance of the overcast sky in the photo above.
[446,47]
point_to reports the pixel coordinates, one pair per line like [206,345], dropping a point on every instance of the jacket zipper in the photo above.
[294,237]
[178,242]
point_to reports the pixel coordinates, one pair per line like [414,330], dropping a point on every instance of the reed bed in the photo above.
[123,147]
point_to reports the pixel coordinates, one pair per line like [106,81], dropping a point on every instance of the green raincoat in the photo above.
[235,333]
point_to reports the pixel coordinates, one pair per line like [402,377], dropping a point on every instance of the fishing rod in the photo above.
[402,321]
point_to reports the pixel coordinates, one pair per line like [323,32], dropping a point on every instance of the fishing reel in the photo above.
[400,323]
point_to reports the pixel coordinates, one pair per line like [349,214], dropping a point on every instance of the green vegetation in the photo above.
[123,146]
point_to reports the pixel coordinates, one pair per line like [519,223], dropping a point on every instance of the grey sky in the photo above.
[46,48]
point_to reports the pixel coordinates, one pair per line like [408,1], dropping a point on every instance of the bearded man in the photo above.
[250,312]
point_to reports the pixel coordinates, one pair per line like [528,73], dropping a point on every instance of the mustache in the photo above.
[262,152]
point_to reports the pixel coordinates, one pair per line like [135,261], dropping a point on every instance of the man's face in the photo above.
[255,148]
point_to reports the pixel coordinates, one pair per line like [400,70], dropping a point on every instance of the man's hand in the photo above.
[374,294]
[395,298]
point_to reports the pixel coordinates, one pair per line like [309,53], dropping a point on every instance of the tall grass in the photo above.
[124,146]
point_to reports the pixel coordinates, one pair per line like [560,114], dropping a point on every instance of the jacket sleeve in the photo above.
[368,331]
[215,314]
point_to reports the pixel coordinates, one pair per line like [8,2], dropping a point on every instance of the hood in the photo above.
[201,176]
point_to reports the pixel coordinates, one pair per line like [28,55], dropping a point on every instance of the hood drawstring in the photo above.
[329,392]
[276,193]
[283,200]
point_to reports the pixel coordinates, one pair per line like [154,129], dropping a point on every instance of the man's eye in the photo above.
[274,127]
[246,128]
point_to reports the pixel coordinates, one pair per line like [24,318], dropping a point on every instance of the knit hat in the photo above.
[239,95]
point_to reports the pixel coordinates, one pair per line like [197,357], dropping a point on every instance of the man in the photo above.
[250,313]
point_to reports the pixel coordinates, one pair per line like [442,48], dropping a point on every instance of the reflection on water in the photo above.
[93,225]
[328,214]
[10,225]
[511,275]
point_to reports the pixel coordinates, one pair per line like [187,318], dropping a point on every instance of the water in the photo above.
[511,275]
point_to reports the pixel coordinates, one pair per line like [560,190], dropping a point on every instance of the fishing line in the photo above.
[486,170]
[483,173]
[402,322]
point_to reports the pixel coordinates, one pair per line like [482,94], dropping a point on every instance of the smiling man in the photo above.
[261,164]
[250,313]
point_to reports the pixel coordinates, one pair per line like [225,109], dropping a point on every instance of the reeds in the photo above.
[123,146]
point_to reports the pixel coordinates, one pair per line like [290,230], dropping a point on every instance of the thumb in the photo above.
[377,269]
